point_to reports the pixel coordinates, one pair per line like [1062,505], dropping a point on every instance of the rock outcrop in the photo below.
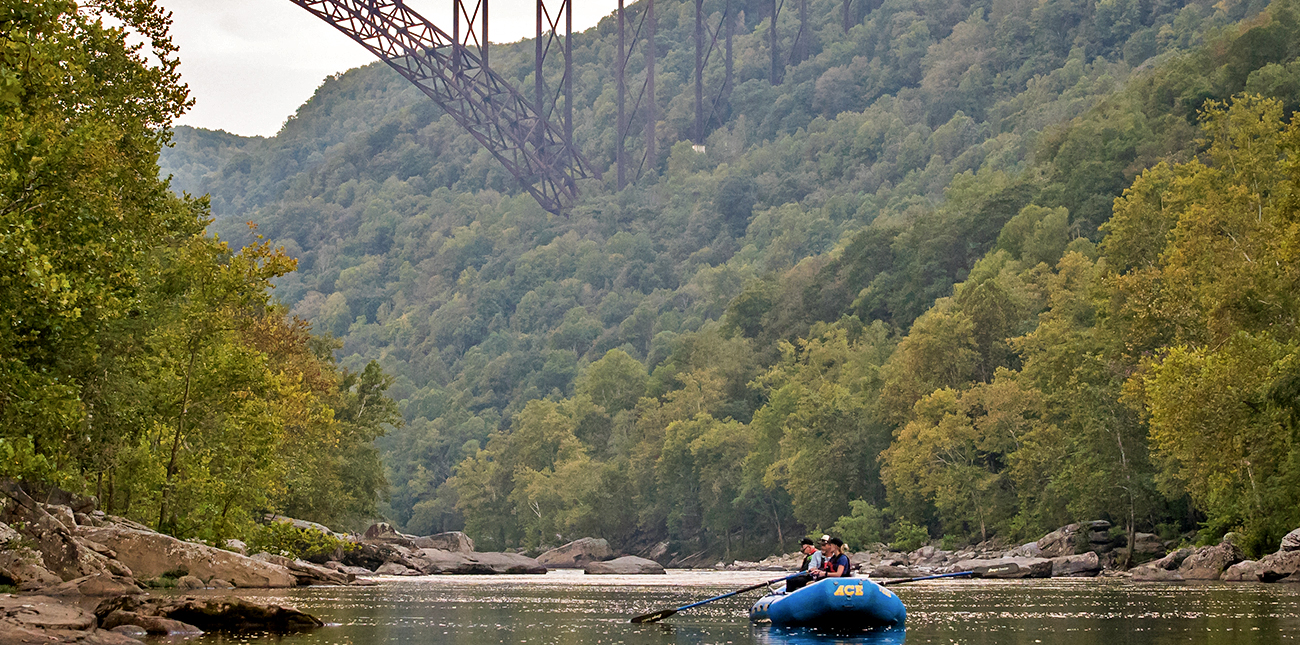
[41,619]
[450,541]
[1209,563]
[1283,566]
[1085,565]
[1291,541]
[577,554]
[626,565]
[307,573]
[436,561]
[151,555]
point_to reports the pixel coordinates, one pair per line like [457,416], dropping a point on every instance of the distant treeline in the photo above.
[896,297]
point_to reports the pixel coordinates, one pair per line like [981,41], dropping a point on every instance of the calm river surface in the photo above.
[568,608]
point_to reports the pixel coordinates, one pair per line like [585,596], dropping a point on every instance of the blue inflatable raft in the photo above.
[835,603]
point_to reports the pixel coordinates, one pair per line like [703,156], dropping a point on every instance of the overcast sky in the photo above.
[251,63]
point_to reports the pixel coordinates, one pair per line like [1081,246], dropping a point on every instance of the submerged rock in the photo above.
[576,554]
[626,565]
[237,615]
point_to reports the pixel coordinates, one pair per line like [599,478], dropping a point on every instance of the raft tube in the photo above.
[835,603]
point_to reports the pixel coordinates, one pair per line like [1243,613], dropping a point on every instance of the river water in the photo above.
[568,608]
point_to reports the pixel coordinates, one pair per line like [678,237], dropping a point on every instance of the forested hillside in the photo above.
[890,298]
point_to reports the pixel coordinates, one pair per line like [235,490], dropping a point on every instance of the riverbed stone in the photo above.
[131,631]
[215,614]
[1291,541]
[454,541]
[577,554]
[156,625]
[395,569]
[189,583]
[626,565]
[151,554]
[1208,563]
[437,561]
[24,568]
[1283,566]
[1147,573]
[44,612]
[1085,565]
[1244,571]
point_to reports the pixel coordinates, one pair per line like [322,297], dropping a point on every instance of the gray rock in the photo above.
[891,571]
[1208,563]
[1244,571]
[1291,541]
[237,546]
[577,554]
[384,532]
[395,569]
[1013,567]
[306,573]
[1148,544]
[1076,566]
[455,541]
[189,583]
[435,561]
[1283,566]
[8,534]
[1059,542]
[1148,573]
[218,583]
[1031,550]
[1173,560]
[212,614]
[155,625]
[27,569]
[150,555]
[100,584]
[44,612]
[63,514]
[130,631]
[371,556]
[626,565]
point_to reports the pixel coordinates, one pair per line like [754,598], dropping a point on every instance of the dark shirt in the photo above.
[835,562]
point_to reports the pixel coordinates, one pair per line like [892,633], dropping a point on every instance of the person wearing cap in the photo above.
[812,561]
[836,564]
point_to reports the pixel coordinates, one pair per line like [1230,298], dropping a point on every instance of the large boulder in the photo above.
[301,524]
[100,584]
[395,569]
[1012,567]
[370,556]
[1291,541]
[437,561]
[1283,566]
[1244,571]
[1059,542]
[1148,573]
[306,573]
[1148,544]
[1209,562]
[626,565]
[213,614]
[455,541]
[1085,565]
[61,552]
[577,554]
[156,625]
[44,612]
[384,533]
[150,555]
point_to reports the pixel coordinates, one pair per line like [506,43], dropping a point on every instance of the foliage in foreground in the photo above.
[141,359]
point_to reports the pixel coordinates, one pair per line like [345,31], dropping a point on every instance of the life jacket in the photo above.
[840,560]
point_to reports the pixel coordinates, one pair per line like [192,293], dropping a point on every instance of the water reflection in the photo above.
[567,608]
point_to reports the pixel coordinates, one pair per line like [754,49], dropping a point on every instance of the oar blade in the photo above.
[655,617]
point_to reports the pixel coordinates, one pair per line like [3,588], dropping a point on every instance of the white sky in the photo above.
[251,63]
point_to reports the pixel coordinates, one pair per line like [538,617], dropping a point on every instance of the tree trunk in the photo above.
[176,440]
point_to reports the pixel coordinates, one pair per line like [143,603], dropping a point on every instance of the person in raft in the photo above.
[837,564]
[812,561]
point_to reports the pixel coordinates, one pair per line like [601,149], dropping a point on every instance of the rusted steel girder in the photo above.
[458,79]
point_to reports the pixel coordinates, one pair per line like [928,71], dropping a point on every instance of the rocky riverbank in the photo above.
[1079,550]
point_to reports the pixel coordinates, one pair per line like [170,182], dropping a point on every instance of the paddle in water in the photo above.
[664,613]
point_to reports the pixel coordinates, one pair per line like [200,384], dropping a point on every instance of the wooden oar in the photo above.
[664,613]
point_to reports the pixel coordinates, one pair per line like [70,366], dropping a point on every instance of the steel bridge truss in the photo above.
[452,69]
